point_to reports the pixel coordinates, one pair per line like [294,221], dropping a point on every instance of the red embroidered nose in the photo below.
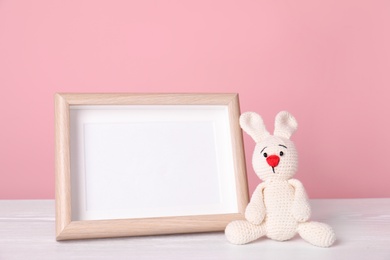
[273,160]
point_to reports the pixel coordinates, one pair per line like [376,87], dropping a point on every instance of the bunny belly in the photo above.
[279,220]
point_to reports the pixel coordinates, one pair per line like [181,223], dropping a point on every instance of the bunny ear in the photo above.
[253,125]
[285,124]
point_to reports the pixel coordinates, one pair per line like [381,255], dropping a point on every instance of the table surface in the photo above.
[362,227]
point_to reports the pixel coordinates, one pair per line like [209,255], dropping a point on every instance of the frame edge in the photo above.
[88,229]
[238,154]
[62,164]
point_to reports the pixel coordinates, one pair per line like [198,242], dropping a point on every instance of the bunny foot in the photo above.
[240,232]
[316,233]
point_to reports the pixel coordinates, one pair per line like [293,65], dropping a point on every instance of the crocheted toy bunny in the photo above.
[279,207]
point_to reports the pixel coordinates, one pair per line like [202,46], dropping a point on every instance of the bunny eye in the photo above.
[281,153]
[265,155]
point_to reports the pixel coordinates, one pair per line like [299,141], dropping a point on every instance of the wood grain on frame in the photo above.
[68,229]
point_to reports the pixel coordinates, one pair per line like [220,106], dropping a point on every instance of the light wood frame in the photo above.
[66,228]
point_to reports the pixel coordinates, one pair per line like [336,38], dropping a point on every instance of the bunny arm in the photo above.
[300,208]
[255,211]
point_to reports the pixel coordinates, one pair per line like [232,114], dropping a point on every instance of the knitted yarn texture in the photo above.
[279,208]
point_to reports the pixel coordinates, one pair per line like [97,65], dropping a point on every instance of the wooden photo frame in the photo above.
[147,164]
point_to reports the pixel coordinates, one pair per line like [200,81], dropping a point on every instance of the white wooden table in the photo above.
[362,227]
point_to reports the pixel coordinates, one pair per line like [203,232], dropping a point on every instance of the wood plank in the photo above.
[362,226]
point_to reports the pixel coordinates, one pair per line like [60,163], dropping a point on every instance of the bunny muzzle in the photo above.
[273,161]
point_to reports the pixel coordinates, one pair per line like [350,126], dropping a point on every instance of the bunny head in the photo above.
[275,156]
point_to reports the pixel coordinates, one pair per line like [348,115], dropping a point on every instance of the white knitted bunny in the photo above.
[279,207]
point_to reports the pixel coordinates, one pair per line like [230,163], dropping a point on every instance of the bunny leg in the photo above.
[316,233]
[240,232]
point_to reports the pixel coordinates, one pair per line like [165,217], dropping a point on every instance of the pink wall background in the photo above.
[327,62]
